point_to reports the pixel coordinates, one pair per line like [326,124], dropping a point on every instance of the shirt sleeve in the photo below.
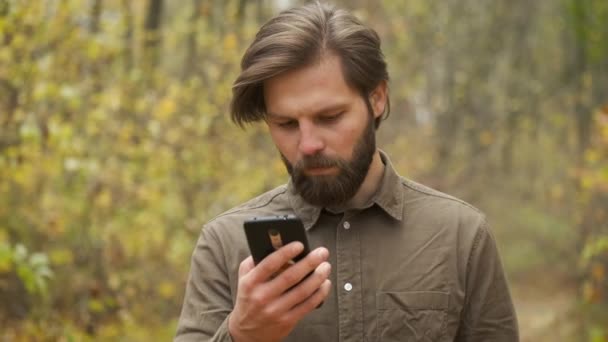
[488,314]
[207,301]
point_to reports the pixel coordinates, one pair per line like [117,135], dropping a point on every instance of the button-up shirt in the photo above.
[413,265]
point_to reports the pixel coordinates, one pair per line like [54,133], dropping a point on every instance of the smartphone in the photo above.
[269,233]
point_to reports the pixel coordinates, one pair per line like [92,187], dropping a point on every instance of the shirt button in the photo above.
[346,225]
[348,286]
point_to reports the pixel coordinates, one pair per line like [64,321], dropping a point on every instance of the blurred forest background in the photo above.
[115,148]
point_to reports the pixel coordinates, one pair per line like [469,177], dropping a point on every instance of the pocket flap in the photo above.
[429,300]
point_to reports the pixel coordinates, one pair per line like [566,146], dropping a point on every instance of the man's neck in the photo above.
[370,184]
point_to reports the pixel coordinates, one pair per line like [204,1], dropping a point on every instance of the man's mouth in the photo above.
[320,171]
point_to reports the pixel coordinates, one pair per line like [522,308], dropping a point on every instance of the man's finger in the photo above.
[294,274]
[246,266]
[272,263]
[300,310]
[304,289]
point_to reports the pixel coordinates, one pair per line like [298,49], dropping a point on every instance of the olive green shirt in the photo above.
[413,265]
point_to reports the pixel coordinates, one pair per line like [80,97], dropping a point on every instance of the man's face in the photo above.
[323,129]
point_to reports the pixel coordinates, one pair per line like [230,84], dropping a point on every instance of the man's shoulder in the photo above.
[437,204]
[273,202]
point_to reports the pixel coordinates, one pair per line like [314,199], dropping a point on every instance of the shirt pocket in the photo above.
[412,316]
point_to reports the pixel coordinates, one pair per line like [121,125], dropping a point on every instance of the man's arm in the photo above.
[208,300]
[267,307]
[488,313]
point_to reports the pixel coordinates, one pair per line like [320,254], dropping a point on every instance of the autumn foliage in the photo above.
[116,146]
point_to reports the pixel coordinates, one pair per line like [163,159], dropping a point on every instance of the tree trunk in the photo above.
[152,29]
[95,15]
[192,41]
[127,35]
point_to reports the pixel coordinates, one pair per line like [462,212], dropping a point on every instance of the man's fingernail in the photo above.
[322,252]
[298,247]
[325,268]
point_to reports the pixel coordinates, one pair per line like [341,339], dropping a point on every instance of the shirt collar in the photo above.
[388,197]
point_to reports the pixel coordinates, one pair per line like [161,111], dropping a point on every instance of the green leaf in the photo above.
[38,260]
[20,253]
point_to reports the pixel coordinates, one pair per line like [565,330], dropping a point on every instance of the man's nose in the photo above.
[310,140]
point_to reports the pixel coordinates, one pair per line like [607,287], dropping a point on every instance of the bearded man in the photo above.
[398,262]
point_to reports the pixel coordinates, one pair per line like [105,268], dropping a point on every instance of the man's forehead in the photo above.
[317,85]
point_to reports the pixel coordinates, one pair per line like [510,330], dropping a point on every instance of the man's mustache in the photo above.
[318,161]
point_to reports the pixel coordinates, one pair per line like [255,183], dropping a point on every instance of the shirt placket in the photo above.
[348,277]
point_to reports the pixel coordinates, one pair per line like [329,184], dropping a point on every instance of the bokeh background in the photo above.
[115,148]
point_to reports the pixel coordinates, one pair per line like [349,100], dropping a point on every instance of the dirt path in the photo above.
[544,308]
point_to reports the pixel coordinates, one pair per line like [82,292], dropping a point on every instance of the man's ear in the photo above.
[378,98]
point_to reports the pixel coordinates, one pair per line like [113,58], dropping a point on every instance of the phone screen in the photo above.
[269,233]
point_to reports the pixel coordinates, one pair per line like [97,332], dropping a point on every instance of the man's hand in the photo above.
[267,309]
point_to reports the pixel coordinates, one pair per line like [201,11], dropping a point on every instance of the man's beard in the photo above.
[334,190]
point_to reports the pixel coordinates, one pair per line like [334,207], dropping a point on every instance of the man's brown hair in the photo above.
[298,37]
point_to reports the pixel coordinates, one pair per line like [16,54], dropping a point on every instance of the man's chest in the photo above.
[389,284]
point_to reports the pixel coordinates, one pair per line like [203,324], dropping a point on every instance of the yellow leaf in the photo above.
[61,256]
[604,133]
[173,135]
[165,109]
[557,192]
[109,331]
[6,265]
[104,199]
[278,167]
[230,42]
[598,272]
[55,225]
[3,235]
[95,305]
[166,289]
[125,133]
[587,182]
[588,292]
[20,177]
[486,138]
[114,281]
[592,156]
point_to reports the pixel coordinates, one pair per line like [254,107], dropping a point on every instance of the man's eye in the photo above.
[332,118]
[288,124]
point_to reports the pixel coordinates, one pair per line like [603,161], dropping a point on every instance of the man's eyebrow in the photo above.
[330,109]
[275,116]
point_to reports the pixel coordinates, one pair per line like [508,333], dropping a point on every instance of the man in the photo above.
[398,262]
